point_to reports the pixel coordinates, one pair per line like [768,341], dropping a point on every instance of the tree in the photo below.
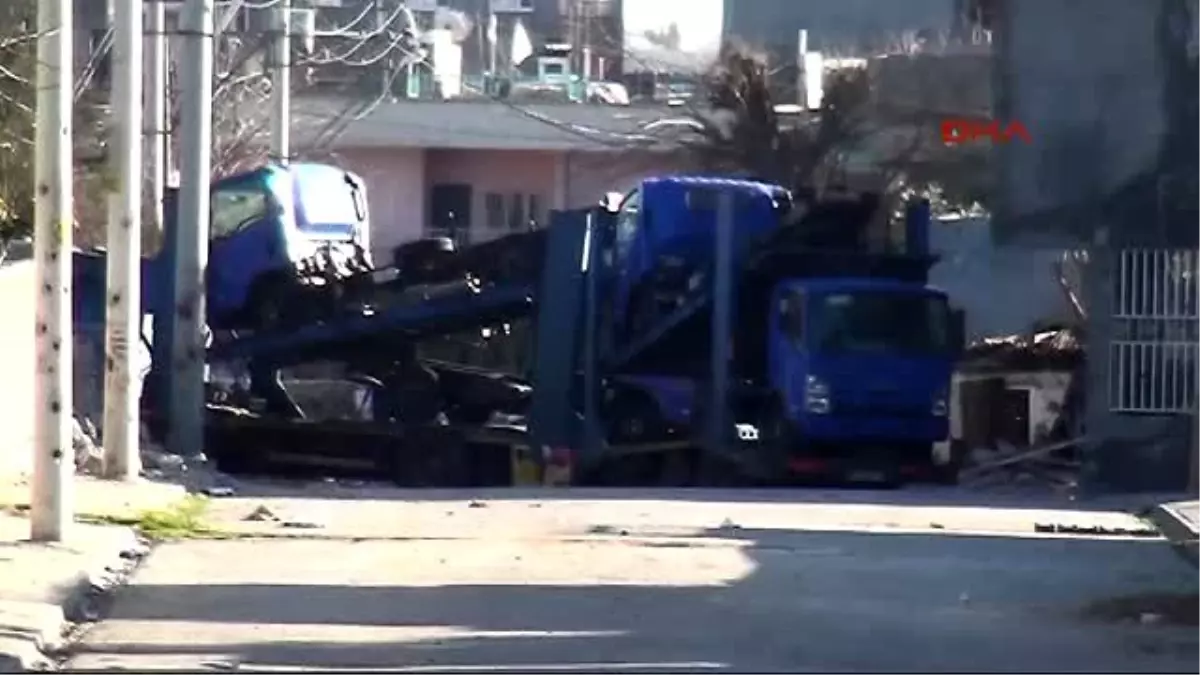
[668,37]
[242,91]
[18,44]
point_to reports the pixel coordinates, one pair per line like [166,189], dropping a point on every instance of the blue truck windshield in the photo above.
[880,321]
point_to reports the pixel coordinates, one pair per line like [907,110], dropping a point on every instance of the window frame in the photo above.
[516,212]
[260,191]
[627,220]
[793,315]
[495,213]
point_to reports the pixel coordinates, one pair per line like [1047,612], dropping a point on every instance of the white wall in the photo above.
[396,194]
[17,296]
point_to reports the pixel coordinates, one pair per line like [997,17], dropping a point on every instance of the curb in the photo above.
[1176,529]
[42,628]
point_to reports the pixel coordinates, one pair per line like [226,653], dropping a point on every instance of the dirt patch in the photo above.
[1176,609]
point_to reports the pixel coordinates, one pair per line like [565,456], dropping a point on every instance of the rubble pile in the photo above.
[1052,460]
[1049,350]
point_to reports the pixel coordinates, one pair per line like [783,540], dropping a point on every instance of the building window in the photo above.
[516,213]
[493,208]
[536,215]
[450,210]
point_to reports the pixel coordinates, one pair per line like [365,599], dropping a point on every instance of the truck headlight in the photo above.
[816,395]
[940,406]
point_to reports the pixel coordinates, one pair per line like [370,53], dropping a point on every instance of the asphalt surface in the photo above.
[613,595]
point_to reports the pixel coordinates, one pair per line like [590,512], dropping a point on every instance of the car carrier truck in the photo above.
[715,319]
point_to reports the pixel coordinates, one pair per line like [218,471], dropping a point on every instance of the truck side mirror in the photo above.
[958,331]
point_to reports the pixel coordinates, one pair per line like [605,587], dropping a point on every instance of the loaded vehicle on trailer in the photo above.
[281,239]
[841,359]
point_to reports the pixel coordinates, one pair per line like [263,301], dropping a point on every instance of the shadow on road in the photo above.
[927,495]
[736,600]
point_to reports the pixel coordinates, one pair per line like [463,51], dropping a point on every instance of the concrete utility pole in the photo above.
[123,315]
[155,120]
[52,496]
[186,423]
[281,81]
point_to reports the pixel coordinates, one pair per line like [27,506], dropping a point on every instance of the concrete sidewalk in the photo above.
[1178,522]
[44,588]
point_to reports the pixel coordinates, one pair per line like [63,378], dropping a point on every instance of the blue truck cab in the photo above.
[276,230]
[831,354]
[664,238]
[854,362]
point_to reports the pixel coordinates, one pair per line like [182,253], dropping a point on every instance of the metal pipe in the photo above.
[156,110]
[186,429]
[123,315]
[721,327]
[52,498]
[281,82]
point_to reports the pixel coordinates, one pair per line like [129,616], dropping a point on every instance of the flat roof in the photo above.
[483,124]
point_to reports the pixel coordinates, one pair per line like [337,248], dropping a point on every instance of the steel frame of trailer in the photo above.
[574,350]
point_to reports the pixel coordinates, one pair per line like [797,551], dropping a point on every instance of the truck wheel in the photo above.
[632,417]
[266,305]
[775,428]
[640,314]
[718,472]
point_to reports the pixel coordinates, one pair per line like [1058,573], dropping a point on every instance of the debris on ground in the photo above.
[1094,531]
[1050,361]
[1053,464]
[1164,608]
[262,514]
[89,455]
[302,524]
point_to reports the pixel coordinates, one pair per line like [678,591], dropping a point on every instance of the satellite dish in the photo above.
[454,21]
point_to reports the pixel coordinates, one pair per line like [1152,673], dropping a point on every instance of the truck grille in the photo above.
[880,409]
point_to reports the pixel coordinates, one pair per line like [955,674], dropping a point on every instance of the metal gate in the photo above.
[1153,354]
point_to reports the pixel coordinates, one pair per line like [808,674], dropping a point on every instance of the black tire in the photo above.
[422,261]
[266,307]
[775,429]
[632,417]
[677,468]
[640,313]
[414,397]
[718,472]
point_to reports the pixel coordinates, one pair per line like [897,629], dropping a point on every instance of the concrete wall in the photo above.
[1087,79]
[395,191]
[1105,89]
[17,295]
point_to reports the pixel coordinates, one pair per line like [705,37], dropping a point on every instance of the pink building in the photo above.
[480,169]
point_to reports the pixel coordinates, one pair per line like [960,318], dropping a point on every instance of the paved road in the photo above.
[748,598]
